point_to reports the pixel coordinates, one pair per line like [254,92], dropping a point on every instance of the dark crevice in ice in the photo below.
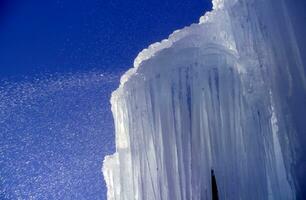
[214,187]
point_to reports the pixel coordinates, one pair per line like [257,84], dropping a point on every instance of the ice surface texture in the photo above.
[215,95]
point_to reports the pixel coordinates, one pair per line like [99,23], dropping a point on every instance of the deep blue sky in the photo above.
[67,35]
[59,62]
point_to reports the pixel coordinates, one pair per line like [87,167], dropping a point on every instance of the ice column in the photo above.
[208,97]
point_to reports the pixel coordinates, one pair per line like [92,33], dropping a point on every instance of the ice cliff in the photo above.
[226,94]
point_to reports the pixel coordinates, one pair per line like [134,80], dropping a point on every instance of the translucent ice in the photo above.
[216,95]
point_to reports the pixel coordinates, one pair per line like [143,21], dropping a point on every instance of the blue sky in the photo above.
[59,62]
[68,35]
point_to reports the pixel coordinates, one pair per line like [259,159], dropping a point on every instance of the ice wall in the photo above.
[216,95]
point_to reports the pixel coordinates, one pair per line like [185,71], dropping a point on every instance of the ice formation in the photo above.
[221,95]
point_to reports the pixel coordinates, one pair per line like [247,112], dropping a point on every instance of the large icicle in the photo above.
[209,97]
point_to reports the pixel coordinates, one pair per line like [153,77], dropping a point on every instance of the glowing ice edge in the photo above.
[154,48]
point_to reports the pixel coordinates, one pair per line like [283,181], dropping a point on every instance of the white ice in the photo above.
[213,95]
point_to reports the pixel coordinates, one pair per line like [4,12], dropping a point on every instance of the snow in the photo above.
[213,95]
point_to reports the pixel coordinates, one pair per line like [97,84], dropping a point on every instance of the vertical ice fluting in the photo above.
[213,96]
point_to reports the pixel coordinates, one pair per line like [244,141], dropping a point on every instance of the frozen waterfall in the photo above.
[220,95]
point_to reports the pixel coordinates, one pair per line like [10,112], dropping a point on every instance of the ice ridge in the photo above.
[213,96]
